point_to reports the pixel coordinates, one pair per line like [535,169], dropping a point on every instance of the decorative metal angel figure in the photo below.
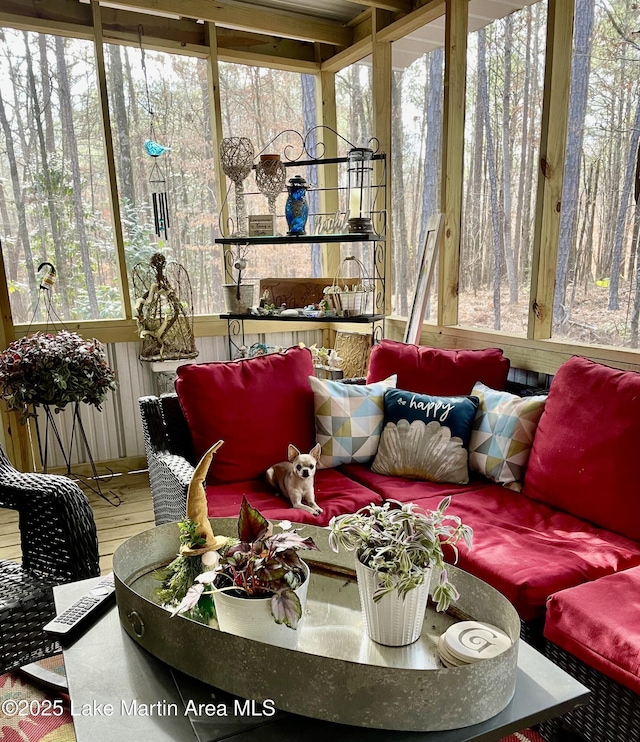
[164,310]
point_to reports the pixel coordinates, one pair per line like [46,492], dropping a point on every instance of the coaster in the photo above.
[448,660]
[472,641]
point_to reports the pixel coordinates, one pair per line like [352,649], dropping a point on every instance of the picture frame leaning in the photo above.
[426,266]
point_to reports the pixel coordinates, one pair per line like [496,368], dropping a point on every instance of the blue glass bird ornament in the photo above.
[154,149]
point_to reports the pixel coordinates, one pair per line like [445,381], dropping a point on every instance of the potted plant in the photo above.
[54,370]
[254,585]
[396,546]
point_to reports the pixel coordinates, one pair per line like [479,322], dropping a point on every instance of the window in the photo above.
[262,104]
[169,91]
[54,199]
[597,297]
[505,70]
[417,99]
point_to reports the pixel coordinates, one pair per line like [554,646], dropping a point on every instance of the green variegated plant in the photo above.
[400,541]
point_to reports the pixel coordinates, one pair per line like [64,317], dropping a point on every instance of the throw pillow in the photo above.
[425,437]
[349,420]
[583,456]
[258,406]
[503,433]
[437,371]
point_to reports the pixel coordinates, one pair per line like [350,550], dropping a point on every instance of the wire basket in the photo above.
[348,297]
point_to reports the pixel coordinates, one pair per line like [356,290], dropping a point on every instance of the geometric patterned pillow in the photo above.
[349,419]
[502,434]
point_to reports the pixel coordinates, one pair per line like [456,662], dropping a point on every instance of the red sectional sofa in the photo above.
[574,526]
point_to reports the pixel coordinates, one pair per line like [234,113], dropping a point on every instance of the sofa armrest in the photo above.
[169,477]
[169,473]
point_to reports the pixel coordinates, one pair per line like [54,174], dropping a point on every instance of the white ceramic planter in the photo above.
[391,621]
[252,619]
[232,303]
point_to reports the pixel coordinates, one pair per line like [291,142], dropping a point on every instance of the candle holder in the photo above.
[236,159]
[360,176]
[271,178]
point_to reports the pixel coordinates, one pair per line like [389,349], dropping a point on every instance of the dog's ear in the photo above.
[292,453]
[316,451]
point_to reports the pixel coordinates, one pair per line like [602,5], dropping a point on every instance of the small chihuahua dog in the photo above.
[293,479]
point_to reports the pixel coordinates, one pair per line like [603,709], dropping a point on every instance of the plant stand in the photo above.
[92,482]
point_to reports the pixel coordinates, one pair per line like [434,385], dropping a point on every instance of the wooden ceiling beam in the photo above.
[348,56]
[266,51]
[65,18]
[395,6]
[250,18]
[427,13]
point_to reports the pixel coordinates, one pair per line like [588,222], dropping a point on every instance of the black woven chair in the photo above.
[59,544]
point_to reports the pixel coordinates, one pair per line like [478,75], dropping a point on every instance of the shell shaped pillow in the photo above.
[426,437]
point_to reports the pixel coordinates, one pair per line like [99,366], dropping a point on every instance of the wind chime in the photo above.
[153,149]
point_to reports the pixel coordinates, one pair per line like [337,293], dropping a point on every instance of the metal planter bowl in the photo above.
[336,673]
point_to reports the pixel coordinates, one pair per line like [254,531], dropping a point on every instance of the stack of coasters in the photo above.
[467,642]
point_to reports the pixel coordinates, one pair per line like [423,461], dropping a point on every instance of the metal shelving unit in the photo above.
[377,260]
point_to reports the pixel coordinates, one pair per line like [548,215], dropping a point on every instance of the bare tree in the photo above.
[58,247]
[23,230]
[498,248]
[512,269]
[580,64]
[64,93]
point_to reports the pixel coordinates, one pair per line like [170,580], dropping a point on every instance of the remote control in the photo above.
[69,624]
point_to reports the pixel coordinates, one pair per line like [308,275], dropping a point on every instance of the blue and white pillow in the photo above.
[349,419]
[426,437]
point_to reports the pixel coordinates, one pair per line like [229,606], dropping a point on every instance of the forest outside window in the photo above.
[416,130]
[54,196]
[597,297]
[355,123]
[173,95]
[261,103]
[505,77]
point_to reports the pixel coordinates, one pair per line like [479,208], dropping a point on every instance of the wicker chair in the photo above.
[59,544]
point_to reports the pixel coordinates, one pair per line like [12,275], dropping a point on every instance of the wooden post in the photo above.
[328,174]
[215,113]
[555,114]
[16,437]
[110,160]
[455,72]
[381,85]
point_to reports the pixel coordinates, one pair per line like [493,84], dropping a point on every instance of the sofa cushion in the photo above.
[257,406]
[406,490]
[583,454]
[579,620]
[349,419]
[425,437]
[437,371]
[528,550]
[502,434]
[335,493]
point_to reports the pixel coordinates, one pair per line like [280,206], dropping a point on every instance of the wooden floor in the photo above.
[115,524]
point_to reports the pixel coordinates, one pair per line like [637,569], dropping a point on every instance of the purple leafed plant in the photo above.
[54,369]
[264,564]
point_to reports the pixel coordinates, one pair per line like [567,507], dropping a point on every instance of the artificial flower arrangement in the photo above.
[54,369]
[257,564]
